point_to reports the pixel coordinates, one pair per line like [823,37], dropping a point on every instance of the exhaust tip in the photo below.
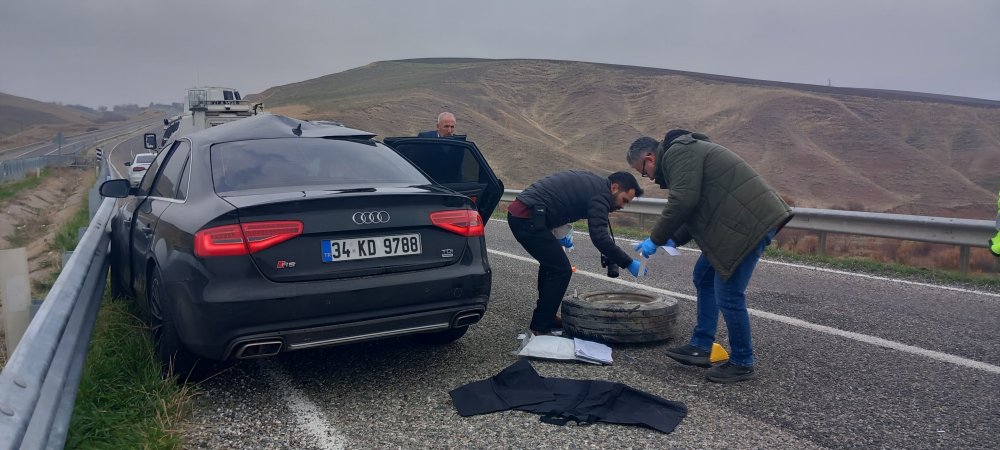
[466,319]
[259,349]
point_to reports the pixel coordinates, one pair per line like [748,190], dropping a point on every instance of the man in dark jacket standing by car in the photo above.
[445,126]
[557,200]
[718,200]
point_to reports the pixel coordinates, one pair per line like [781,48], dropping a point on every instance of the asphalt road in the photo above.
[49,149]
[125,151]
[843,360]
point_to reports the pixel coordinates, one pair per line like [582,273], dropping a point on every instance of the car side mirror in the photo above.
[118,188]
[149,141]
[127,163]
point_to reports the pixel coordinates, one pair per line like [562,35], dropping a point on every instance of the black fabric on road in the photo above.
[558,399]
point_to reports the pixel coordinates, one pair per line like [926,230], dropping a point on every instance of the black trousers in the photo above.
[554,270]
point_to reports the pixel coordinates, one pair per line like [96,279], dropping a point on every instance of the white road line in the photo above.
[109,161]
[874,277]
[945,357]
[29,151]
[859,275]
[308,416]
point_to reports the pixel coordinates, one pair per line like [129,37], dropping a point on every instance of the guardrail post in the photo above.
[821,247]
[15,293]
[963,258]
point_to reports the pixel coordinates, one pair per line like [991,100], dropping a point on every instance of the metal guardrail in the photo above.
[964,233]
[39,383]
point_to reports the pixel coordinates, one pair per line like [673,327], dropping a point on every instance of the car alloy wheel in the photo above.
[175,359]
[155,314]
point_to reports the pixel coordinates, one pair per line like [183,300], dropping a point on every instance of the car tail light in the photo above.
[261,235]
[465,222]
[246,238]
[138,169]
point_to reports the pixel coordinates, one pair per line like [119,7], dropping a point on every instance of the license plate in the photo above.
[370,247]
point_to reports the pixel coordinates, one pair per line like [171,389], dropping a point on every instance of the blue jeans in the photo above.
[715,294]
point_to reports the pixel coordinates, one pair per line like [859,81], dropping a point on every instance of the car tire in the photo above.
[117,284]
[173,356]
[443,337]
[616,317]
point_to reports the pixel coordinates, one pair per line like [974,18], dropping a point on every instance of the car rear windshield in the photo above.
[308,163]
[145,158]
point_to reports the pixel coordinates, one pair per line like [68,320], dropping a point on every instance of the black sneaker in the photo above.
[729,373]
[690,355]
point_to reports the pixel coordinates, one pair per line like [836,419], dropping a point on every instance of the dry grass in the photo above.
[35,213]
[909,253]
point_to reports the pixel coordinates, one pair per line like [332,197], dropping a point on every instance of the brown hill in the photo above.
[24,121]
[820,146]
[19,113]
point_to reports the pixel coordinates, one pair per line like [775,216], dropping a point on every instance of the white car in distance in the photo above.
[138,167]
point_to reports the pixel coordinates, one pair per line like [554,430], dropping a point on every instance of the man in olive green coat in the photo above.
[718,200]
[995,240]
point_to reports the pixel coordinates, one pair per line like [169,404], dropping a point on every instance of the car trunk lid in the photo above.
[357,232]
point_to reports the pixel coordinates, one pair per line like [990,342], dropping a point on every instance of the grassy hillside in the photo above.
[821,146]
[18,114]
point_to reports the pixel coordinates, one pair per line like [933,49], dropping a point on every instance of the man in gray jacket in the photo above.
[718,200]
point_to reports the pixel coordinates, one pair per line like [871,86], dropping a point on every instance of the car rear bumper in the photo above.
[357,331]
[218,320]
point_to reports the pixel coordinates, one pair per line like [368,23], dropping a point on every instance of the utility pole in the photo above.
[59,141]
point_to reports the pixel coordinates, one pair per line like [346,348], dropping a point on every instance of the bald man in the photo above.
[445,126]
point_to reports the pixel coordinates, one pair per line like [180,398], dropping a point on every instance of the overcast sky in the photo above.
[107,52]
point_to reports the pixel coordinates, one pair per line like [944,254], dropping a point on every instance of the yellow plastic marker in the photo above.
[718,354]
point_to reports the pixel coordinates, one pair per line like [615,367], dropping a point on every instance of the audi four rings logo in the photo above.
[370,217]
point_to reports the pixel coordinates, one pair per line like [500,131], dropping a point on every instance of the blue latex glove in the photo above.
[647,247]
[567,241]
[634,268]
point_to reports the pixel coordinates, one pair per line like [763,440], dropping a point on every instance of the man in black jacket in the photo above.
[560,199]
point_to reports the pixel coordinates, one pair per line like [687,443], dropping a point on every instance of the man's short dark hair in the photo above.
[625,182]
[639,148]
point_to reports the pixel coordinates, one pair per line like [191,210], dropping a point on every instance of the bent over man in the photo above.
[556,200]
[718,200]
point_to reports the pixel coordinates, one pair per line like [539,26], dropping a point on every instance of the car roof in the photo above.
[271,126]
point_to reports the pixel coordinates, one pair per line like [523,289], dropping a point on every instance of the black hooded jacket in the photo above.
[572,195]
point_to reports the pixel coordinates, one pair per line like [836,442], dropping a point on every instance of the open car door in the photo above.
[456,164]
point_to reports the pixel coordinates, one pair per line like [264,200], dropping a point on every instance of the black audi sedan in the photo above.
[271,234]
